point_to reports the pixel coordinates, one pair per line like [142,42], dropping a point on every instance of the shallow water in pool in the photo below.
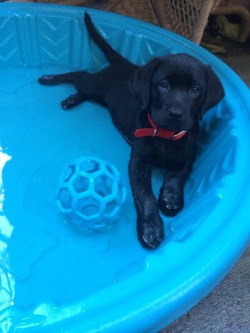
[44,258]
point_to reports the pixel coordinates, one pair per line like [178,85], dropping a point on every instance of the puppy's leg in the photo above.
[171,199]
[149,223]
[84,82]
[51,79]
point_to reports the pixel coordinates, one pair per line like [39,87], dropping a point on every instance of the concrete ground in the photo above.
[227,308]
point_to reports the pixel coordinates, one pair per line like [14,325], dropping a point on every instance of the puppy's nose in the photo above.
[177,114]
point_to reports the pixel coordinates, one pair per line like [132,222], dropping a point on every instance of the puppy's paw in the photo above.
[68,103]
[150,232]
[48,80]
[72,100]
[171,203]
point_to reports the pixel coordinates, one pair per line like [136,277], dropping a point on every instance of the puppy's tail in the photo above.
[112,56]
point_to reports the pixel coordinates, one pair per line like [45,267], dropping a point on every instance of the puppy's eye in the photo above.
[164,85]
[195,90]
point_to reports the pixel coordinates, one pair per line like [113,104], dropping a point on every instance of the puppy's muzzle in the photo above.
[175,114]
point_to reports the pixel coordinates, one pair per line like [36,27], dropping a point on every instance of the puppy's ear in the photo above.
[140,82]
[214,92]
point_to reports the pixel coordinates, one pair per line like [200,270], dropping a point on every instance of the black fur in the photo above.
[176,91]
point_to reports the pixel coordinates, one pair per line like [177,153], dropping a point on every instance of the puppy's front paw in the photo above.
[150,232]
[171,202]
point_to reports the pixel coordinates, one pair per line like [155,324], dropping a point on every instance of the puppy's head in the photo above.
[176,90]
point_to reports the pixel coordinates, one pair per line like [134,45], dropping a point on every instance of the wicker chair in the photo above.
[185,17]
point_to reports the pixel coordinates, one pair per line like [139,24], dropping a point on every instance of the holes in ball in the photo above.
[65,198]
[103,185]
[121,192]
[111,207]
[89,166]
[88,208]
[80,184]
[110,170]
[69,172]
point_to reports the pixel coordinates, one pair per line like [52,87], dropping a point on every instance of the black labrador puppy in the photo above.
[157,108]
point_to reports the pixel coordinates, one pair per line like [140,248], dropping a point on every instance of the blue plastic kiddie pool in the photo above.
[54,278]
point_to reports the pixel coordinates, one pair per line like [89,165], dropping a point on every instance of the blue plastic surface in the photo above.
[54,279]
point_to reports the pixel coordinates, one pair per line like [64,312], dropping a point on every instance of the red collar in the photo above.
[155,131]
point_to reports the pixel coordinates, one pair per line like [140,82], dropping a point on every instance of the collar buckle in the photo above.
[155,131]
